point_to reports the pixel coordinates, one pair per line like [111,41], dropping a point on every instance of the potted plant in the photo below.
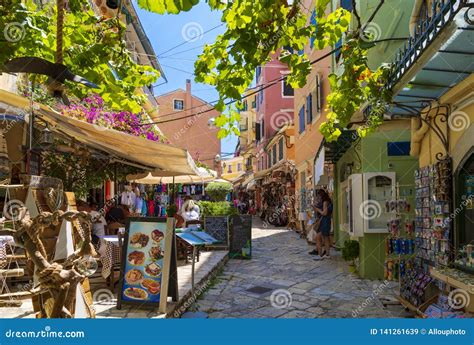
[350,252]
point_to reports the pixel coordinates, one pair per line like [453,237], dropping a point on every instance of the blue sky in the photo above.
[189,30]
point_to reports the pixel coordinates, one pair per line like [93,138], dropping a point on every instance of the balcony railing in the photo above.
[443,12]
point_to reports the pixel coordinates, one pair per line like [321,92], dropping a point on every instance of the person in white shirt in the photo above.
[98,227]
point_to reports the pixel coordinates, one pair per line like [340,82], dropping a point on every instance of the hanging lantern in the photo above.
[47,137]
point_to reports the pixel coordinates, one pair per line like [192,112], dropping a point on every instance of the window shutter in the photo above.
[309,108]
[319,94]
[301,119]
[312,22]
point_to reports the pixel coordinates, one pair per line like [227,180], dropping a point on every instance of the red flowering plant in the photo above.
[92,110]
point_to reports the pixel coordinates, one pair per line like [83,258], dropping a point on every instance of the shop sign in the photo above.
[241,236]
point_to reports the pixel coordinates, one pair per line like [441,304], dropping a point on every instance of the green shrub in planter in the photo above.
[219,208]
[350,251]
[217,191]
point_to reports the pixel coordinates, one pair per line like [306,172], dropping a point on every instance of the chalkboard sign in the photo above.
[218,227]
[241,236]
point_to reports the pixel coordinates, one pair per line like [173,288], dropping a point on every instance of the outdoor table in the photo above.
[110,256]
[196,239]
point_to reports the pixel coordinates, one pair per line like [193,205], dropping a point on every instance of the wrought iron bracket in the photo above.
[434,115]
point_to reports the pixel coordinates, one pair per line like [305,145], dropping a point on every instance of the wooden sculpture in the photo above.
[58,280]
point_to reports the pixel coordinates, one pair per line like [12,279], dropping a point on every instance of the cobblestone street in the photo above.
[283,281]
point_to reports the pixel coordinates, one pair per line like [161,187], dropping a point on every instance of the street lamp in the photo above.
[211,124]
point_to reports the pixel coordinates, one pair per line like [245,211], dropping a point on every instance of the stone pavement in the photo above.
[105,301]
[286,282]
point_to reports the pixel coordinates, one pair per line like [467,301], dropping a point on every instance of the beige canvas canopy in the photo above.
[146,153]
[156,177]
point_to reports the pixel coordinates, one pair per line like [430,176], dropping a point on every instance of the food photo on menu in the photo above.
[144,262]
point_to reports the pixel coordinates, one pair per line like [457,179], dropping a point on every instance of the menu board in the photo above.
[241,236]
[218,227]
[146,258]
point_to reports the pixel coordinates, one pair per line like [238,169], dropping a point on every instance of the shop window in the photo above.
[465,224]
[301,120]
[178,104]
[280,149]
[288,90]
[379,190]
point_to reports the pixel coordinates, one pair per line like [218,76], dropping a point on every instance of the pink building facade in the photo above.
[274,107]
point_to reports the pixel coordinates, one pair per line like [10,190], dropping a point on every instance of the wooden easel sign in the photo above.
[146,260]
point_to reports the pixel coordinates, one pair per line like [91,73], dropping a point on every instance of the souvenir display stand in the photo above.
[427,288]
[400,243]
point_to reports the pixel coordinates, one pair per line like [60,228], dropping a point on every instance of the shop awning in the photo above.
[334,150]
[237,181]
[282,165]
[146,153]
[248,180]
[158,177]
[433,61]
[251,185]
[261,174]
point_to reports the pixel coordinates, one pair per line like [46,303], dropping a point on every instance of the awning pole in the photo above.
[172,195]
[115,183]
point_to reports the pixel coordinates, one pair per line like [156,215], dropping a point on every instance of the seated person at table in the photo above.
[98,227]
[116,218]
[189,210]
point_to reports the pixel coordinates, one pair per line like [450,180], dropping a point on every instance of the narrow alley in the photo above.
[282,280]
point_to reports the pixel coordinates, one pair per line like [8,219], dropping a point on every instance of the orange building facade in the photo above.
[186,120]
[310,112]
